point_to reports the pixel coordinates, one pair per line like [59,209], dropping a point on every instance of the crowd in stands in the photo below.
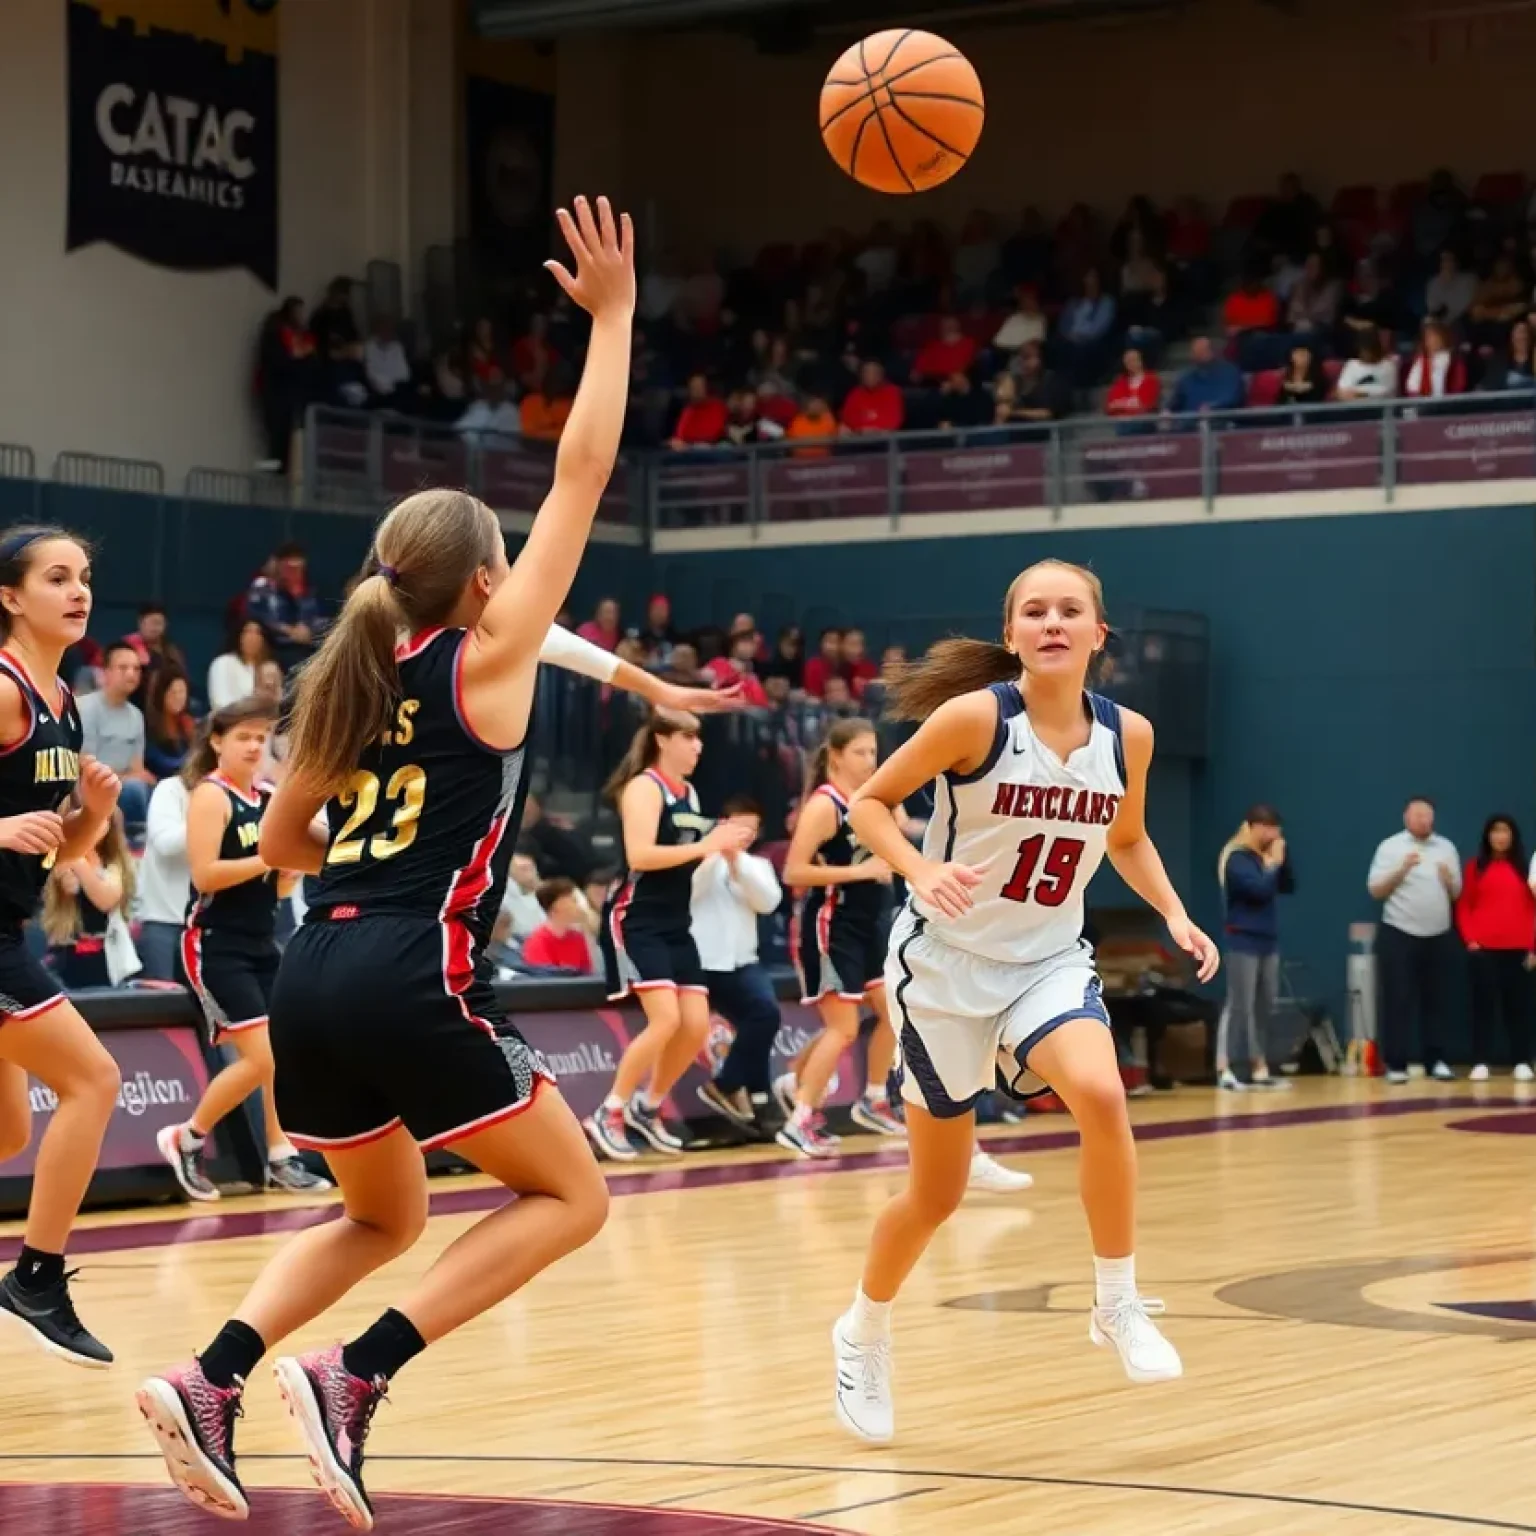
[1423,291]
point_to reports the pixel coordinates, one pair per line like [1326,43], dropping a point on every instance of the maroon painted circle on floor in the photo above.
[1521,1122]
[74,1509]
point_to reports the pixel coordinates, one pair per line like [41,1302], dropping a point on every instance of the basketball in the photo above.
[902,111]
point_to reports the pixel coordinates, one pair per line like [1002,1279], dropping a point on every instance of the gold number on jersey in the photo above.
[406,792]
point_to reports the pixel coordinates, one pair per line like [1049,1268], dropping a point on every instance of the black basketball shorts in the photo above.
[384,1021]
[231,976]
[839,958]
[639,959]
[27,986]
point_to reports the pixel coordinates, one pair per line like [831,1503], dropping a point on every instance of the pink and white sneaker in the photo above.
[333,1410]
[807,1135]
[193,1423]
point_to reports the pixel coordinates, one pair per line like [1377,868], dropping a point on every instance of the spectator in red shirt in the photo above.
[1496,916]
[738,667]
[532,355]
[951,351]
[829,663]
[484,365]
[1252,307]
[874,404]
[857,667]
[603,627]
[703,419]
[560,941]
[1136,392]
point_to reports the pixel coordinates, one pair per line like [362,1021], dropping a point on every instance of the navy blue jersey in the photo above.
[427,823]
[860,902]
[37,773]
[658,900]
[250,908]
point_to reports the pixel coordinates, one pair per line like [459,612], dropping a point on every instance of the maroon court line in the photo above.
[214,1229]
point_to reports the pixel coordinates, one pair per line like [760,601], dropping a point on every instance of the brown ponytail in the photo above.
[843,733]
[957,665]
[643,749]
[203,759]
[425,554]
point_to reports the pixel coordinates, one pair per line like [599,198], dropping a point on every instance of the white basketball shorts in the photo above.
[965,1024]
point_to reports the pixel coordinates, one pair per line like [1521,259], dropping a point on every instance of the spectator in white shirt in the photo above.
[730,893]
[492,416]
[385,364]
[1449,293]
[232,675]
[1370,376]
[1026,324]
[165,881]
[1417,877]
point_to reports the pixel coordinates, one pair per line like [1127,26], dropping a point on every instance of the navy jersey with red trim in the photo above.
[37,773]
[427,823]
[659,900]
[862,902]
[250,908]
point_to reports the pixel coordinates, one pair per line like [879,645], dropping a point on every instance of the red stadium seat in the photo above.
[1332,368]
[1243,212]
[1264,388]
[1500,189]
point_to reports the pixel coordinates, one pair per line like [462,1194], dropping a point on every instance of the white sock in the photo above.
[869,1322]
[1114,1280]
[193,1139]
[281,1151]
[613,1101]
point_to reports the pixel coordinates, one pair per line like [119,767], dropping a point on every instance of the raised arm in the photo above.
[571,653]
[1135,856]
[516,620]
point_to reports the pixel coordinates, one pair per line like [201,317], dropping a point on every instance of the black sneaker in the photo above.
[49,1317]
[186,1163]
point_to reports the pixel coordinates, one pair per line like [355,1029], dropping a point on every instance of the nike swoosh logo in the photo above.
[17,1305]
[1019,751]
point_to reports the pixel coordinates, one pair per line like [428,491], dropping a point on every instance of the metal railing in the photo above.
[101,472]
[355,457]
[1265,451]
[17,462]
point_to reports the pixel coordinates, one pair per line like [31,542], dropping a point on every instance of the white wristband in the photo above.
[563,649]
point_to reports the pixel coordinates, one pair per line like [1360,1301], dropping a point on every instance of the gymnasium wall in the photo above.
[106,353]
[1213,98]
[1355,661]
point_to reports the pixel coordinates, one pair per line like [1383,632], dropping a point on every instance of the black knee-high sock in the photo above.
[234,1353]
[36,1271]
[386,1348]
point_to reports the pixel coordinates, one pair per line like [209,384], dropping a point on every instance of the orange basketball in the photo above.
[902,111]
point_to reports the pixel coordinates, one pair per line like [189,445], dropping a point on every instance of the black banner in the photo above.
[173,144]
[509,139]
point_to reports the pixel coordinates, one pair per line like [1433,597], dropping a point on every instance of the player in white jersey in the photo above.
[988,971]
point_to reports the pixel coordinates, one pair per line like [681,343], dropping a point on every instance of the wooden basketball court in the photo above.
[1348,1272]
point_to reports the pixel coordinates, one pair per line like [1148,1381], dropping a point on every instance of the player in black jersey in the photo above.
[229,945]
[838,943]
[54,805]
[409,734]
[647,946]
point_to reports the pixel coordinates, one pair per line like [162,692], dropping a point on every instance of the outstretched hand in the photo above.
[1195,944]
[604,283]
[701,701]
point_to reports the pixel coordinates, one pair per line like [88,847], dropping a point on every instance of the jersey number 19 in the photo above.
[1057,871]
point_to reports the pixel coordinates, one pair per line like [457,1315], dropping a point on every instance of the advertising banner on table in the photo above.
[583,1047]
[518,480]
[973,479]
[1434,449]
[1315,457]
[856,486]
[684,492]
[1149,467]
[173,135]
[163,1078]
[411,461]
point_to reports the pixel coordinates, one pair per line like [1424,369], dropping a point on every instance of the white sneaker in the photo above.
[863,1385]
[992,1178]
[1479,1074]
[1416,1070]
[1146,1355]
[1231,1082]
[1397,1077]
[1523,1073]
[1442,1073]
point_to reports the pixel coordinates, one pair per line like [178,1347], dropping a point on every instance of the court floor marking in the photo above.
[1006,1479]
[117,1237]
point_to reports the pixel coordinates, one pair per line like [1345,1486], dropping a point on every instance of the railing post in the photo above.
[650,494]
[756,513]
[893,481]
[1207,464]
[376,455]
[1389,452]
[1056,470]
[311,453]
